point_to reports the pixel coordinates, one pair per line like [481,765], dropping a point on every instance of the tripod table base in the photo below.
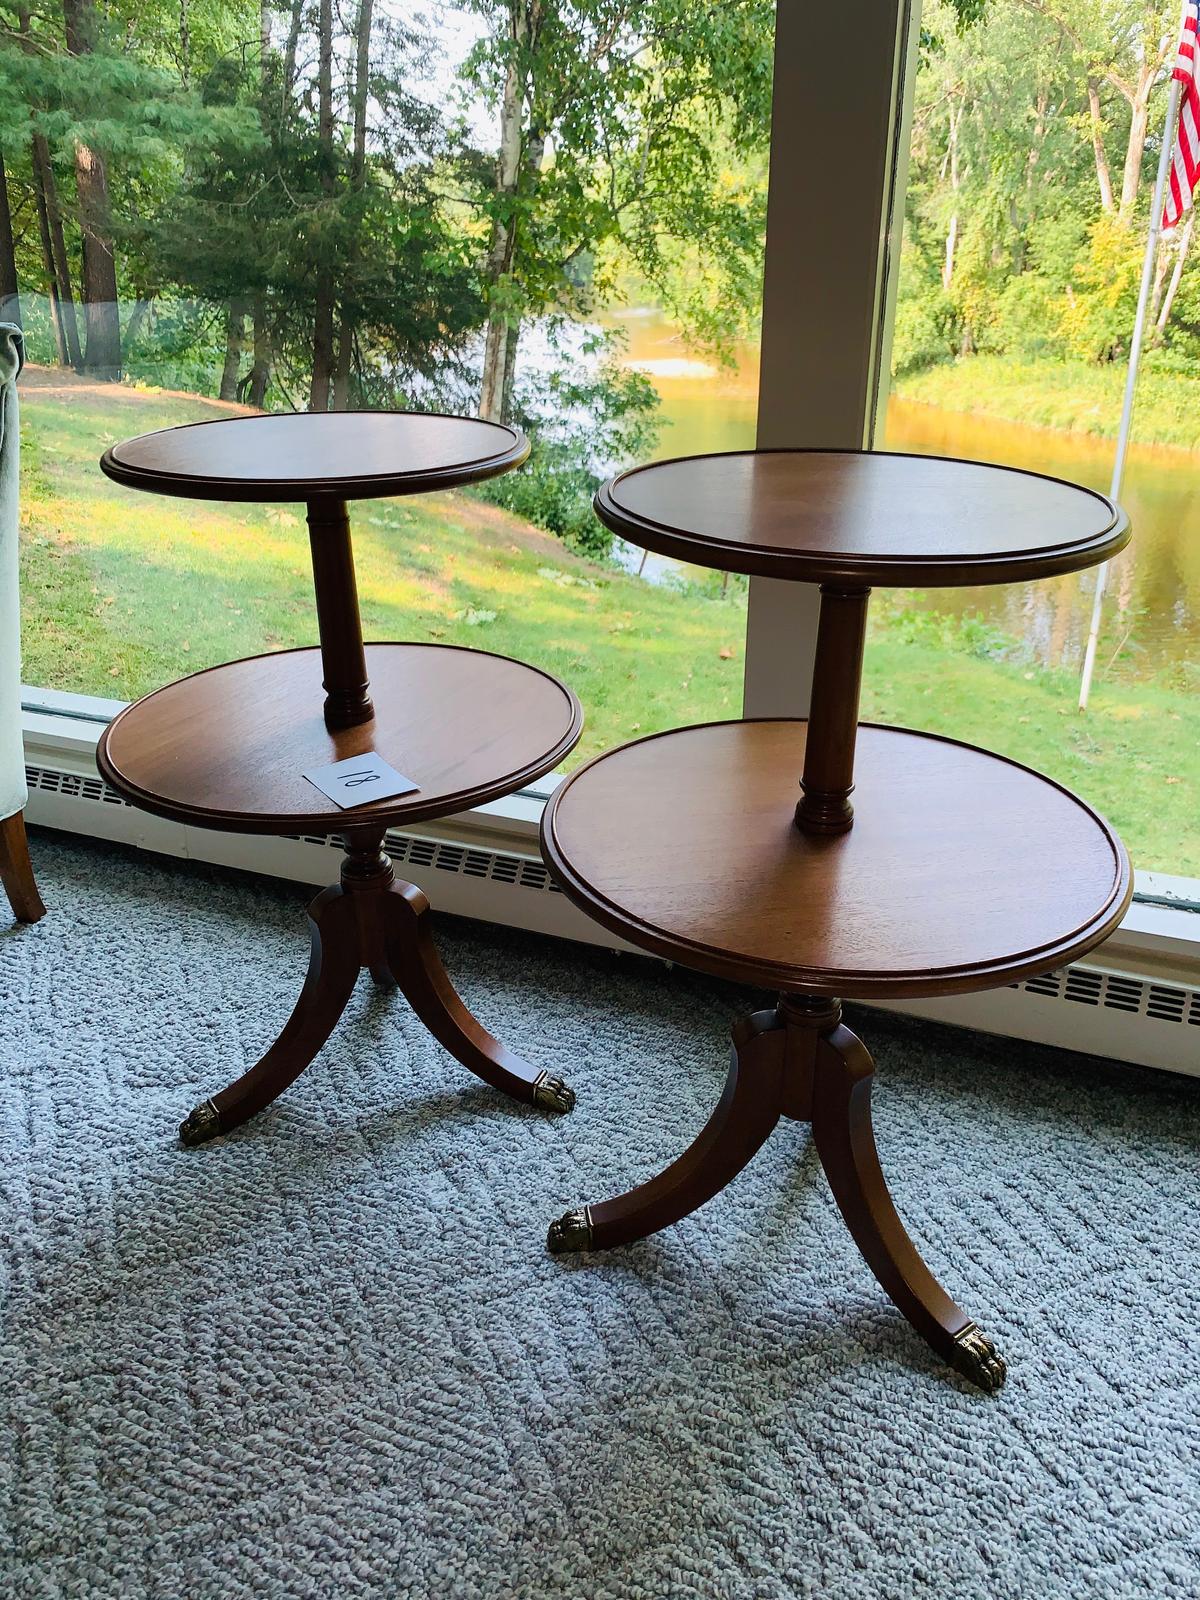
[371,919]
[798,1061]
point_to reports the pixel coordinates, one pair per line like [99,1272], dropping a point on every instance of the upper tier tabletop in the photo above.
[963,870]
[228,748]
[862,517]
[306,455]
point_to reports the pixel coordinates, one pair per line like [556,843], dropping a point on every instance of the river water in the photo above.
[1152,623]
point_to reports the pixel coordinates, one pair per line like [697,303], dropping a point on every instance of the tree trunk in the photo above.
[102,313]
[362,73]
[955,184]
[137,317]
[10,294]
[56,244]
[185,42]
[1139,122]
[341,368]
[235,343]
[1103,174]
[358,178]
[56,313]
[289,50]
[510,370]
[260,372]
[322,362]
[1185,241]
[503,241]
[102,316]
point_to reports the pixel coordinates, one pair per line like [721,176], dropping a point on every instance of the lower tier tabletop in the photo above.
[228,748]
[963,870]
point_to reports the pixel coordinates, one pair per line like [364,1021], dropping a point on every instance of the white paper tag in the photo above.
[359,780]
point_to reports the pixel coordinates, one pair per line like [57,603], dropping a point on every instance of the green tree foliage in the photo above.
[586,415]
[630,137]
[1036,134]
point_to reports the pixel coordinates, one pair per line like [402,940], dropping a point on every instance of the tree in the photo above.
[102,357]
[615,122]
[1028,194]
[10,295]
[1124,44]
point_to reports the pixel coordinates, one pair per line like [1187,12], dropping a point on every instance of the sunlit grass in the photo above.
[1068,396]
[123,592]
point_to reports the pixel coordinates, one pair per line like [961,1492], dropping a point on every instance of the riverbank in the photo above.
[1070,397]
[123,592]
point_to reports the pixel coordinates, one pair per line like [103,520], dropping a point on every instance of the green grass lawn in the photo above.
[123,592]
[1069,396]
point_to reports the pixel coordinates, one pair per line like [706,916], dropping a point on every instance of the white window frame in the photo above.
[838,172]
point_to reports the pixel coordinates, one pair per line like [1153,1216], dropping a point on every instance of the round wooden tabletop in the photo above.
[863,517]
[228,748]
[307,455]
[962,871]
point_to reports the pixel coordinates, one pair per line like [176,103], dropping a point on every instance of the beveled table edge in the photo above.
[276,491]
[325,823]
[820,567]
[845,983]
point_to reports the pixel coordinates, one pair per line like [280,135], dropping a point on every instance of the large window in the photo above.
[539,220]
[551,215]
[1036,134]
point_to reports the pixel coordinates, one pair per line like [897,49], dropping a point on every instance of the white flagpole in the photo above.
[1135,352]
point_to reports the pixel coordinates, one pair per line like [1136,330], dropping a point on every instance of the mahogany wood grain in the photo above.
[307,455]
[865,517]
[745,1115]
[339,624]
[963,871]
[227,748]
[798,1060]
[828,778]
[375,921]
[16,870]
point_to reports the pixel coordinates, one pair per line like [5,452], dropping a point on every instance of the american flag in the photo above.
[1185,167]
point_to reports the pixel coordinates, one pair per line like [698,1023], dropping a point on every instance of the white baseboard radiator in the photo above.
[1136,999]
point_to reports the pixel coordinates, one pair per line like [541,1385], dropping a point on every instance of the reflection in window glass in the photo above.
[226,207]
[1035,143]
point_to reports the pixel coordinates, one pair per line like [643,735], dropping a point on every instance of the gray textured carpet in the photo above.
[329,1356]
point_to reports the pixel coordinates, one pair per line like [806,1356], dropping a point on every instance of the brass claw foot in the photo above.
[977,1358]
[200,1125]
[572,1231]
[552,1094]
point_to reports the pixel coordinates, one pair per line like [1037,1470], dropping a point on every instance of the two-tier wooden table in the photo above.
[228,748]
[735,847]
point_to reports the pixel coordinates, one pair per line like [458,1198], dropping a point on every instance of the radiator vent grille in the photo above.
[1112,991]
[405,849]
[72,786]
[1087,986]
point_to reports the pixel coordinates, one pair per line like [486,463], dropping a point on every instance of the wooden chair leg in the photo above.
[333,968]
[845,1141]
[748,1110]
[16,870]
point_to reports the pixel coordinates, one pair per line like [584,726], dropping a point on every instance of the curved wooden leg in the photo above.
[332,970]
[16,870]
[748,1110]
[413,961]
[845,1140]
